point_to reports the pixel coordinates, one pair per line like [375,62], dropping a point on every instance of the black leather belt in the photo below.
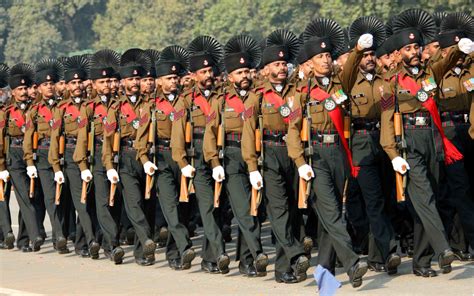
[233,139]
[418,119]
[71,141]
[274,136]
[163,142]
[456,117]
[44,143]
[126,143]
[16,141]
[364,124]
[324,138]
[98,140]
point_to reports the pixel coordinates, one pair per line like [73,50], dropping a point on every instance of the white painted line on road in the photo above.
[11,292]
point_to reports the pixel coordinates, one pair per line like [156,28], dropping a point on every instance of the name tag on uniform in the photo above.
[403,91]
[267,105]
[229,110]
[358,96]
[448,89]
[194,108]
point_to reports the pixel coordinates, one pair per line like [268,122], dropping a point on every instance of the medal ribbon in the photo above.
[276,101]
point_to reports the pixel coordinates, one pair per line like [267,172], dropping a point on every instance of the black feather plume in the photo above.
[206,45]
[105,58]
[77,62]
[368,24]
[175,53]
[4,73]
[418,19]
[458,21]
[246,44]
[322,27]
[286,38]
[135,56]
[51,64]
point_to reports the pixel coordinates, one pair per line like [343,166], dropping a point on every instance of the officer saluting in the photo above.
[410,91]
[273,101]
[170,66]
[241,54]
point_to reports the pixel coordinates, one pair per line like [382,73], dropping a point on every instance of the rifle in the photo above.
[91,157]
[35,149]
[6,150]
[62,144]
[185,188]
[221,146]
[347,135]
[304,189]
[400,180]
[256,196]
[151,141]
[116,152]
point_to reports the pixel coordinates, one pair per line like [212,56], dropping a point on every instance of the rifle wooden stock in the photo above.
[220,136]
[191,189]
[397,123]
[258,140]
[32,188]
[302,202]
[188,134]
[2,185]
[84,192]
[151,133]
[35,140]
[148,185]
[113,188]
[217,193]
[57,197]
[304,130]
[90,142]
[347,127]
[62,144]
[116,144]
[400,185]
[254,202]
[183,191]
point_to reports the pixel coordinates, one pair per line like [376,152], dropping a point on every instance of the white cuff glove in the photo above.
[31,171]
[365,41]
[86,175]
[256,180]
[218,173]
[113,176]
[466,45]
[4,175]
[400,165]
[188,171]
[149,168]
[306,172]
[59,177]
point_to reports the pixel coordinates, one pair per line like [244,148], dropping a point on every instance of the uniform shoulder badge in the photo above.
[330,104]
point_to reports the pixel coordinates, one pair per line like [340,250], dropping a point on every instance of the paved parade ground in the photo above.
[49,273]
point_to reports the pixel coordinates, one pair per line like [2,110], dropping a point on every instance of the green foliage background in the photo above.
[32,29]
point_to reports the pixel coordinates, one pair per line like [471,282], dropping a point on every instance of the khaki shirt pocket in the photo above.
[317,113]
[233,121]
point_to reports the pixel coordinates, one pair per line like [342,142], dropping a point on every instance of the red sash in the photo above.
[236,103]
[276,101]
[337,120]
[45,112]
[164,106]
[203,104]
[16,115]
[127,110]
[73,111]
[100,111]
[451,153]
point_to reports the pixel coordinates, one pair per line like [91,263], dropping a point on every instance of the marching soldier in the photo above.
[321,98]
[66,123]
[410,91]
[171,64]
[122,122]
[37,141]
[455,98]
[272,101]
[241,54]
[95,113]
[7,238]
[195,107]
[11,162]
[366,150]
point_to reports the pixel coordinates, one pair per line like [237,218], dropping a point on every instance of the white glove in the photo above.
[256,180]
[400,165]
[31,171]
[466,45]
[306,172]
[59,177]
[188,171]
[149,168]
[86,175]
[218,173]
[113,176]
[365,41]
[4,175]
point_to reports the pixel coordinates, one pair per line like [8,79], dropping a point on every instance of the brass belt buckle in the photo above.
[329,139]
